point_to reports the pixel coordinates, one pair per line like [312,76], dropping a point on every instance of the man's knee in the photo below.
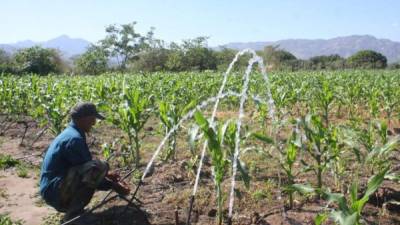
[102,166]
[94,172]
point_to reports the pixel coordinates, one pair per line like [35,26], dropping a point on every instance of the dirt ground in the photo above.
[166,191]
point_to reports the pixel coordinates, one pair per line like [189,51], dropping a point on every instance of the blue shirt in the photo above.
[67,150]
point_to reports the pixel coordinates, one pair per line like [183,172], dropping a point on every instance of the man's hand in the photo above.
[118,185]
[113,176]
[121,188]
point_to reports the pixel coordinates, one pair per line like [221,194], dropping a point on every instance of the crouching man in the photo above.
[69,176]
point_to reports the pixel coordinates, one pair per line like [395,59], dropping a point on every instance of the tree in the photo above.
[276,58]
[4,58]
[152,60]
[394,66]
[5,62]
[367,59]
[197,55]
[175,60]
[226,55]
[192,54]
[327,62]
[38,60]
[93,61]
[123,43]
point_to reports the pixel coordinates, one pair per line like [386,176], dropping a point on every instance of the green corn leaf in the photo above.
[338,198]
[213,141]
[343,218]
[321,218]
[291,154]
[354,192]
[388,147]
[189,106]
[302,188]
[263,138]
[374,183]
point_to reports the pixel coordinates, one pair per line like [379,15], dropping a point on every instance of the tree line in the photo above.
[124,49]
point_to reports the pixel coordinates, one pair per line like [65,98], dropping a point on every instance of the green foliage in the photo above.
[287,160]
[327,62]
[131,116]
[93,61]
[320,145]
[22,171]
[367,59]
[175,59]
[170,114]
[124,49]
[278,59]
[225,56]
[125,44]
[394,66]
[152,60]
[349,211]
[192,54]
[6,161]
[38,60]
[197,55]
[221,144]
[217,157]
[260,194]
[5,62]
[6,220]
[347,130]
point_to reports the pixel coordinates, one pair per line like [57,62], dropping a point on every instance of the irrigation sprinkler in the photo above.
[91,210]
[38,136]
[133,197]
[26,126]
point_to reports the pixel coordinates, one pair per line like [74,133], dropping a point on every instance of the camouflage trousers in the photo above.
[79,185]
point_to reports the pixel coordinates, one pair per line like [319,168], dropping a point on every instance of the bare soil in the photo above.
[166,191]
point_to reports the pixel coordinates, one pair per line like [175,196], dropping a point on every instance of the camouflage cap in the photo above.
[83,109]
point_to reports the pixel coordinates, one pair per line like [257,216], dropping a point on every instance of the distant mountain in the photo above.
[301,48]
[343,46]
[68,46]
[7,48]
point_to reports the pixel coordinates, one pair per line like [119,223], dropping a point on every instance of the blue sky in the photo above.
[222,20]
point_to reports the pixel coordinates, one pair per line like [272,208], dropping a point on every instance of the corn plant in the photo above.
[320,142]
[349,210]
[324,99]
[218,159]
[131,117]
[289,157]
[170,114]
[390,97]
[375,142]
[379,156]
[221,144]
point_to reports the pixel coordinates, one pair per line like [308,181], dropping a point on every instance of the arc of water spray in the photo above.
[254,59]
[162,143]
[220,95]
[243,96]
[176,126]
[221,89]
